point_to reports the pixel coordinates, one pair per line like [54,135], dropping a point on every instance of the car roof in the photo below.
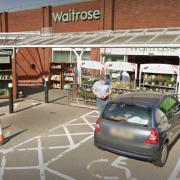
[141,99]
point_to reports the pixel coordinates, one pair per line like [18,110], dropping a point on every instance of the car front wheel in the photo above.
[163,156]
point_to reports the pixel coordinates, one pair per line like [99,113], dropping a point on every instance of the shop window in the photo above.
[69,56]
[114,58]
[4,59]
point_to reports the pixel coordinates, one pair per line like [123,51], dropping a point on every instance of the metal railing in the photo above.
[83,93]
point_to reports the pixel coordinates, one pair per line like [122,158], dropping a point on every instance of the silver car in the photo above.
[139,125]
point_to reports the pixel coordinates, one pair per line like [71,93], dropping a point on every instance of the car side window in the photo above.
[161,117]
[170,107]
[175,110]
[167,104]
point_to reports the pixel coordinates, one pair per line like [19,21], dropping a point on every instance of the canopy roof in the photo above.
[162,37]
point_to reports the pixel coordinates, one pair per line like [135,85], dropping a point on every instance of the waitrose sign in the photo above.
[73,16]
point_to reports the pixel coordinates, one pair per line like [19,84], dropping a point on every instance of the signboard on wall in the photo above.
[73,16]
[141,51]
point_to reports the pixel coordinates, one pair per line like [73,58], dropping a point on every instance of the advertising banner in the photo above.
[92,65]
[121,66]
[159,68]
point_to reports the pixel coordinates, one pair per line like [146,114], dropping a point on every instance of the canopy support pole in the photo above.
[79,59]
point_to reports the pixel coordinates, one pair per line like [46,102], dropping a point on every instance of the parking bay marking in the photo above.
[120,162]
[42,165]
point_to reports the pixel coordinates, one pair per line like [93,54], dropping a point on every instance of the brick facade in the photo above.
[115,14]
[146,14]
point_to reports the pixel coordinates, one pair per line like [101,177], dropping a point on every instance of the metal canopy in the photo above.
[162,37]
[6,52]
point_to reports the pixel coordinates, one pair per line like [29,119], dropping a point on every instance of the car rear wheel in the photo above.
[163,156]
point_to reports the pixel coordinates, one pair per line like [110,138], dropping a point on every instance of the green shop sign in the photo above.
[73,16]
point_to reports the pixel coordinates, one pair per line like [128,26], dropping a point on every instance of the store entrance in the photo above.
[174,60]
[157,73]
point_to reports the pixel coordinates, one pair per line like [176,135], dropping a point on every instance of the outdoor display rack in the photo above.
[55,75]
[5,77]
[87,79]
[159,77]
[69,74]
[114,69]
[61,74]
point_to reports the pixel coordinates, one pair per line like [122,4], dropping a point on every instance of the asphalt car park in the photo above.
[58,144]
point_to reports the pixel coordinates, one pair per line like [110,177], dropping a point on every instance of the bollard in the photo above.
[10,90]
[46,90]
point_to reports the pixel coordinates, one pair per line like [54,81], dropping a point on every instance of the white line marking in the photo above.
[24,142]
[68,136]
[42,166]
[94,111]
[58,147]
[175,172]
[56,135]
[77,134]
[68,150]
[119,163]
[22,168]
[27,149]
[59,174]
[91,164]
[72,134]
[43,148]
[41,162]
[3,165]
[62,125]
[88,123]
[71,121]
[96,161]
[77,124]
[94,116]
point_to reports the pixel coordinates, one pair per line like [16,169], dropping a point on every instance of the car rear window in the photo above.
[132,114]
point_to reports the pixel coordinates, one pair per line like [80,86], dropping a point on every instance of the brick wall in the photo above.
[40,57]
[4,22]
[115,14]
[29,20]
[146,14]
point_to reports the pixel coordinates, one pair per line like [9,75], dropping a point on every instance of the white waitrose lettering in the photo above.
[72,15]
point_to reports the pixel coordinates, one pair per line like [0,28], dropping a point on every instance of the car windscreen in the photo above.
[131,114]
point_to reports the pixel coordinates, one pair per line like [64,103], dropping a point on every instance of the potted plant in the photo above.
[145,79]
[173,80]
[168,80]
[153,79]
[160,80]
[149,79]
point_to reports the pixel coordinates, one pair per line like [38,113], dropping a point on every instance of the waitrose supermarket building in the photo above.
[160,17]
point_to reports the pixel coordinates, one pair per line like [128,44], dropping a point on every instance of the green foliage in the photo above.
[4,92]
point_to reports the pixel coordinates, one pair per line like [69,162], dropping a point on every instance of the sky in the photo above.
[14,5]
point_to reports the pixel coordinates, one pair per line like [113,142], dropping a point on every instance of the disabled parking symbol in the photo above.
[119,163]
